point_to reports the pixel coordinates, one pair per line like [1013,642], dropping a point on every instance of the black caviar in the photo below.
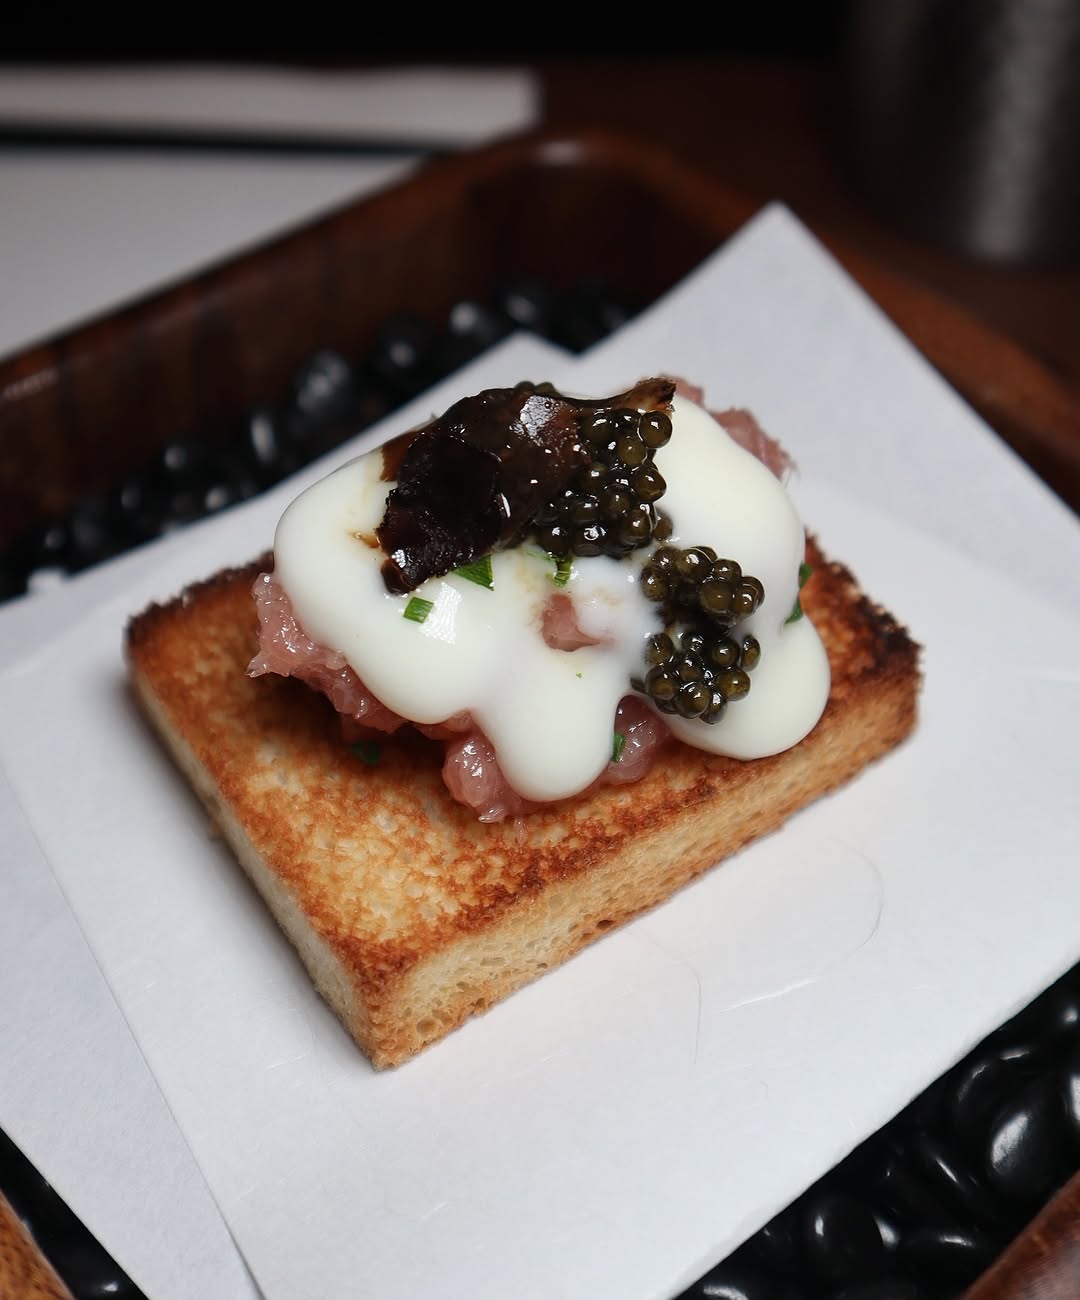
[699,663]
[609,506]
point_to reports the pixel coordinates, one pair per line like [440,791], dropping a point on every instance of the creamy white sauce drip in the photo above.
[549,713]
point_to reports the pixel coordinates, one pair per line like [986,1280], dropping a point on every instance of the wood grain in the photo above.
[80,411]
[1043,1263]
[25,1274]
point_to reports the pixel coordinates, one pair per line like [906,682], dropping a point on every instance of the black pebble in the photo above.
[321,391]
[967,1196]
[1070,1090]
[589,313]
[44,545]
[946,1254]
[529,303]
[979,1085]
[402,355]
[1024,1143]
[883,1288]
[262,449]
[841,1239]
[1059,1009]
[896,1187]
[183,462]
[93,533]
[778,1244]
[738,1279]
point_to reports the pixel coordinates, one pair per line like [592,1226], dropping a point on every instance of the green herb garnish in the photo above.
[367,751]
[418,609]
[618,744]
[478,571]
[564,566]
[805,570]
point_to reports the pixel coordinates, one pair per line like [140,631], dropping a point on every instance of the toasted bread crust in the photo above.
[410,914]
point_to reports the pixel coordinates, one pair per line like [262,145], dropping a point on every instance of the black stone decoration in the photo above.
[915,1213]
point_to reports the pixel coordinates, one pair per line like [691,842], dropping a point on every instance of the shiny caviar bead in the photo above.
[745,600]
[692,641]
[717,707]
[665,559]
[734,683]
[751,653]
[662,684]
[655,429]
[726,570]
[658,649]
[654,585]
[648,483]
[725,653]
[716,598]
[584,510]
[693,564]
[631,450]
[693,699]
[616,500]
[688,668]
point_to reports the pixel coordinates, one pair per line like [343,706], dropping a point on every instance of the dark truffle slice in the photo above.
[475,478]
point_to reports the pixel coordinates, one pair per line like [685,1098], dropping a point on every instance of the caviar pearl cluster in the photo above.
[609,506]
[699,663]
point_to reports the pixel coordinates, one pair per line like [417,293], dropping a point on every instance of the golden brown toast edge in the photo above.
[409,914]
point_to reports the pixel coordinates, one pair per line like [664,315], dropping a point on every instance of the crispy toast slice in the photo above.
[411,915]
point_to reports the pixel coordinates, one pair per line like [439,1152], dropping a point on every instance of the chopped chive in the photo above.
[563,568]
[367,751]
[478,571]
[805,570]
[618,744]
[418,609]
[577,674]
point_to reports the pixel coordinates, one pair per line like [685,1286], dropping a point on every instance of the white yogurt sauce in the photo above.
[549,713]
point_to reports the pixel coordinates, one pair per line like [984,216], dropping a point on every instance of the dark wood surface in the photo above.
[706,143]
[778,130]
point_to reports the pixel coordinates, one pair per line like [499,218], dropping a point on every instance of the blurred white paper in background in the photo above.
[581,1137]
[84,231]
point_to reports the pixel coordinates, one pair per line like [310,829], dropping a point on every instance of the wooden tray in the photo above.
[79,412]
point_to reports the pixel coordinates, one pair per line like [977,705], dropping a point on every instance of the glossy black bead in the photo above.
[135,510]
[743,1279]
[590,312]
[262,448]
[402,355]
[779,1243]
[95,530]
[979,1086]
[1069,1080]
[1057,1012]
[321,389]
[841,1239]
[883,1288]
[945,1254]
[967,1196]
[44,545]
[897,1188]
[183,462]
[1025,1141]
[529,303]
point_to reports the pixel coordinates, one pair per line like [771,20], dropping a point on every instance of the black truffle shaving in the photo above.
[473,480]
